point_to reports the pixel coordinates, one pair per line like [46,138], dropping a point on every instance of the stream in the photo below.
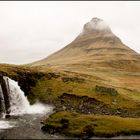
[27,126]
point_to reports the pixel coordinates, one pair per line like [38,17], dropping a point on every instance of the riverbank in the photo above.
[31,129]
[86,126]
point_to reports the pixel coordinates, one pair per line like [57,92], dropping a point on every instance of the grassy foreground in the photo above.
[76,92]
[85,126]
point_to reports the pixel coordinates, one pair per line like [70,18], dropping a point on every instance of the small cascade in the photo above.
[14,102]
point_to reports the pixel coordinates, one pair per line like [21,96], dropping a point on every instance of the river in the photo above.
[25,127]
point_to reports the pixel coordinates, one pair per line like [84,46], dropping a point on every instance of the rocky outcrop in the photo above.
[2,103]
[27,80]
[82,104]
[106,90]
[88,105]
[4,95]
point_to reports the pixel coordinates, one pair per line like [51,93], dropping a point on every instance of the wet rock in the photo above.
[51,129]
[7,116]
[2,103]
[5,91]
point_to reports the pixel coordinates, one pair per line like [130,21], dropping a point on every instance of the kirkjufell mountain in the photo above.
[96,47]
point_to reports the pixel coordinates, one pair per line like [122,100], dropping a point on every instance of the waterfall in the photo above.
[18,103]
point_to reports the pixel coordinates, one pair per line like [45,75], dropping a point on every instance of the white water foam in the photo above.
[39,108]
[6,124]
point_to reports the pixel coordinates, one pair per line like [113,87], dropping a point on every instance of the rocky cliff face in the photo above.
[4,97]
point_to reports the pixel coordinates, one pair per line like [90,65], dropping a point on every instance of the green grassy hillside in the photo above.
[85,126]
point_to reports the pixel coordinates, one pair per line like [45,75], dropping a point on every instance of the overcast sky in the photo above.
[32,30]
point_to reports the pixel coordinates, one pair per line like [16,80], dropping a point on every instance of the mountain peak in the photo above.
[96,25]
[96,47]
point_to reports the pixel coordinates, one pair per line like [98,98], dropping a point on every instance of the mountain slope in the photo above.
[95,48]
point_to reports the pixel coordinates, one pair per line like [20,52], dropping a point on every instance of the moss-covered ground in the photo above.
[80,125]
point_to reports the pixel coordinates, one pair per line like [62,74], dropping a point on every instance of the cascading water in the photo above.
[18,101]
